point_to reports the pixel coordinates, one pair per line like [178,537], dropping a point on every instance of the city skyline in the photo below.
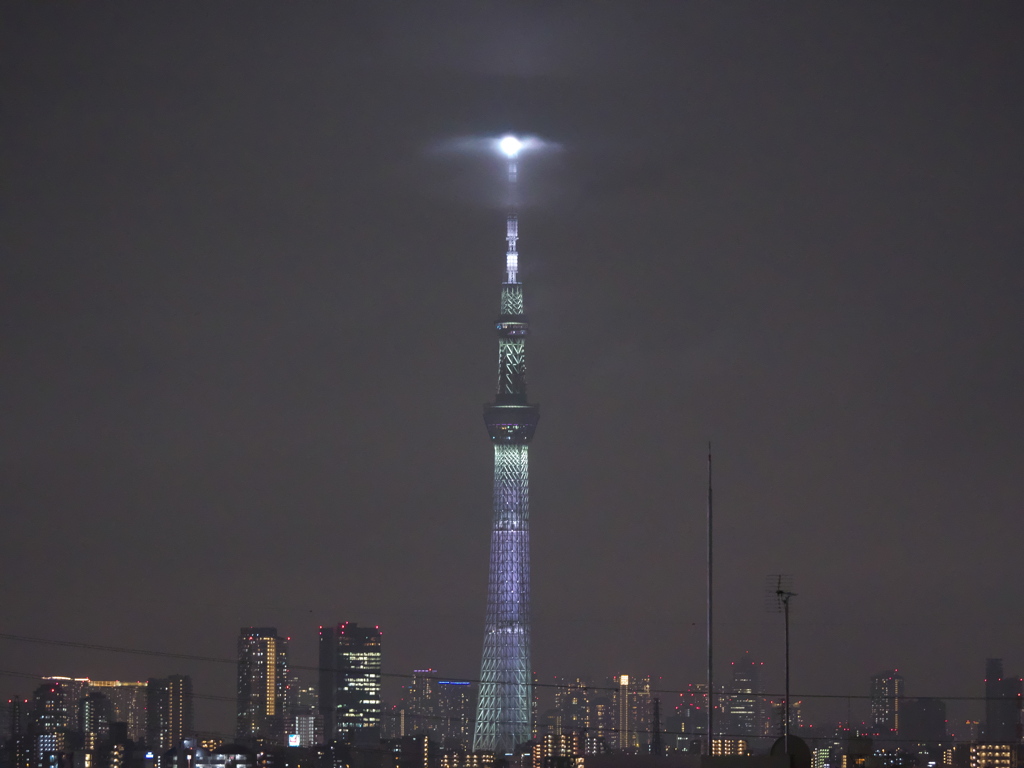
[747,708]
[247,272]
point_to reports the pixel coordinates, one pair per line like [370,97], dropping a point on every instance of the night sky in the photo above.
[251,259]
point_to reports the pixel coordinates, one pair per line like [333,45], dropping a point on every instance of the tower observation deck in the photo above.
[503,706]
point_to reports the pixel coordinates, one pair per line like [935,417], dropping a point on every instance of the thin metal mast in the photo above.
[504,706]
[784,596]
[711,674]
[786,717]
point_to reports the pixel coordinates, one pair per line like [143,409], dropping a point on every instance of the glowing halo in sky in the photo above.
[510,145]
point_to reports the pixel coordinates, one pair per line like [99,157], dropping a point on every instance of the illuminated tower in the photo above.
[503,707]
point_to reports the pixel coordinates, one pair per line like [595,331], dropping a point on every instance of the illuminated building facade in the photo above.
[305,727]
[262,686]
[625,731]
[742,705]
[633,706]
[71,689]
[993,756]
[572,703]
[558,751]
[886,692]
[728,747]
[503,716]
[168,711]
[454,713]
[95,714]
[602,731]
[49,711]
[49,725]
[350,660]
[128,700]
[420,703]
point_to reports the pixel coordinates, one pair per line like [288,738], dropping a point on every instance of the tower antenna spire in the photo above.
[510,145]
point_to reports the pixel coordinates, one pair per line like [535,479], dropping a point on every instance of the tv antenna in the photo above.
[779,591]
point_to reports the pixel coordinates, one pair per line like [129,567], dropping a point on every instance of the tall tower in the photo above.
[503,707]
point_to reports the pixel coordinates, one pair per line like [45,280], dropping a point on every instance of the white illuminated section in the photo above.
[510,146]
[512,255]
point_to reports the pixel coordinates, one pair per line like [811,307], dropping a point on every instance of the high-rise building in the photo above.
[305,727]
[1002,705]
[743,704]
[49,708]
[17,717]
[48,727]
[262,686]
[624,731]
[503,715]
[923,721]
[17,748]
[886,692]
[168,711]
[633,709]
[128,700]
[95,714]
[350,660]
[71,690]
[602,726]
[304,724]
[454,714]
[420,702]
[572,703]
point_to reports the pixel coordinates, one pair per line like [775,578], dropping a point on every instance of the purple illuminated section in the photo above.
[503,712]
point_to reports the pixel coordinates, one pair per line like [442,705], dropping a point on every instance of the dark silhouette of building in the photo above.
[168,712]
[1002,705]
[886,693]
[923,721]
[17,747]
[128,700]
[95,713]
[262,686]
[454,716]
[350,659]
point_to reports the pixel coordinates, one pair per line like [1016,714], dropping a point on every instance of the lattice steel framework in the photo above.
[503,707]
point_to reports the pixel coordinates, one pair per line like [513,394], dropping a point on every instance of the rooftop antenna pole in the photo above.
[711,694]
[780,597]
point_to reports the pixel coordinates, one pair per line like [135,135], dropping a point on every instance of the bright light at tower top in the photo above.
[510,146]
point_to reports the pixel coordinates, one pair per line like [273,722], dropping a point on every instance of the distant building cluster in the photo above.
[341,720]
